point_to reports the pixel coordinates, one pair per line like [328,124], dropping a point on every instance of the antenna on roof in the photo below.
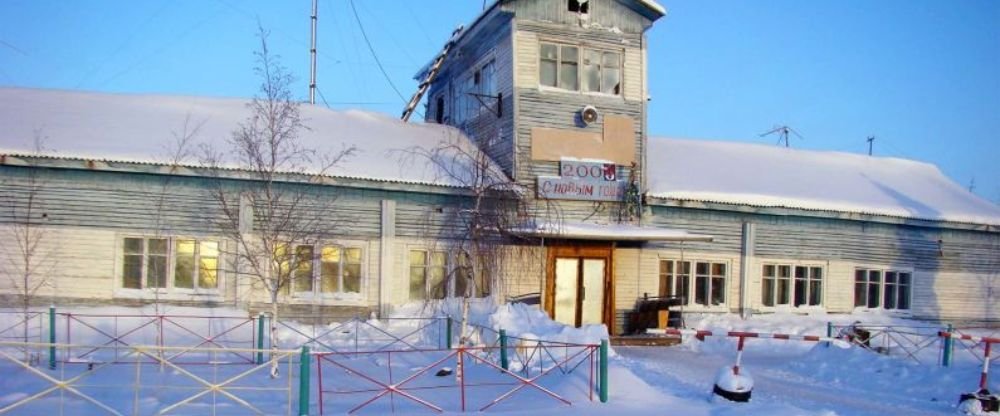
[782,132]
[871,140]
[312,55]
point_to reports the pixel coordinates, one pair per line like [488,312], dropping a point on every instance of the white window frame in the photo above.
[793,281]
[316,290]
[450,273]
[690,300]
[170,291]
[880,298]
[195,287]
[581,53]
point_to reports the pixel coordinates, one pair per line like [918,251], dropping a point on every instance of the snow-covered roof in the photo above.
[141,128]
[771,176]
[617,232]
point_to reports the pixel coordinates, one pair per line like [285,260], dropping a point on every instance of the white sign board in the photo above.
[583,180]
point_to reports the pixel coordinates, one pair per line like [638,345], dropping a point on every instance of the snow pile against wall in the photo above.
[771,176]
[142,128]
[516,319]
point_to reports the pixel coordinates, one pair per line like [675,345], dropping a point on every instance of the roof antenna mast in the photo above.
[312,55]
[782,132]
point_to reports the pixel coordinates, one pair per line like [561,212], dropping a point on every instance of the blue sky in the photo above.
[921,76]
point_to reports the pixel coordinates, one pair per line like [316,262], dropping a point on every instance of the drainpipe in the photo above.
[746,256]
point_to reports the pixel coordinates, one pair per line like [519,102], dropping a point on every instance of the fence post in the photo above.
[504,362]
[829,332]
[603,366]
[447,334]
[948,346]
[304,381]
[52,337]
[260,338]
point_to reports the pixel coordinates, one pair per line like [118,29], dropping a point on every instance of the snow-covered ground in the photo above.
[791,377]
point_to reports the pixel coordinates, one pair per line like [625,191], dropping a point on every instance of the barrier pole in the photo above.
[304,381]
[948,347]
[260,338]
[504,362]
[986,367]
[603,365]
[739,356]
[52,337]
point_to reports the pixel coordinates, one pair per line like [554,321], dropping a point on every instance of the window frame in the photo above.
[451,271]
[581,50]
[475,80]
[196,277]
[793,281]
[690,281]
[882,286]
[316,266]
[170,289]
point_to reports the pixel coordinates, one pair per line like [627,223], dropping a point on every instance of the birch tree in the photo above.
[27,247]
[270,214]
[486,226]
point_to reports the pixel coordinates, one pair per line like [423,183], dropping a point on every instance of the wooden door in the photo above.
[579,285]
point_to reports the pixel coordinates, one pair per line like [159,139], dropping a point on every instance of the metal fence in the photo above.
[918,343]
[460,379]
[170,364]
[143,379]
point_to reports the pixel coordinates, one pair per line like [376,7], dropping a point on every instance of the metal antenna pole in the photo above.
[312,56]
[871,139]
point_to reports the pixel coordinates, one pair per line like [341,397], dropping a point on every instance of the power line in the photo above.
[322,97]
[374,55]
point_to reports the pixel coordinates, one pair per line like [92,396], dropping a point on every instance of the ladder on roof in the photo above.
[431,74]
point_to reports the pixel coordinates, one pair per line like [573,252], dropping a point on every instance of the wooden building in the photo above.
[554,91]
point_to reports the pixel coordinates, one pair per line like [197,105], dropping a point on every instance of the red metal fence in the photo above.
[460,379]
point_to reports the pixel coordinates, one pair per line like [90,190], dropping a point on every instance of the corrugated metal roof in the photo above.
[770,176]
[141,129]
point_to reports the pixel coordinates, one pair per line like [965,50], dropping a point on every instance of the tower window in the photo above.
[439,117]
[579,6]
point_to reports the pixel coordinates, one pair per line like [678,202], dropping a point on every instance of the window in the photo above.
[579,6]
[709,281]
[327,269]
[430,271]
[476,93]
[196,264]
[795,285]
[559,67]
[439,111]
[170,263]
[601,72]
[888,289]
[145,263]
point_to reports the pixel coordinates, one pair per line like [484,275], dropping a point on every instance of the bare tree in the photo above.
[30,256]
[487,228]
[175,154]
[271,216]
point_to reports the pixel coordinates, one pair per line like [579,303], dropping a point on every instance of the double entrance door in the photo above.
[579,285]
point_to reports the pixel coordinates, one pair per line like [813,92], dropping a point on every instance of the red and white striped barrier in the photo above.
[954,335]
[743,334]
[984,375]
[725,383]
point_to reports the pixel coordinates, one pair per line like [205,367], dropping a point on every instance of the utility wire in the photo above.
[374,55]
[322,97]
